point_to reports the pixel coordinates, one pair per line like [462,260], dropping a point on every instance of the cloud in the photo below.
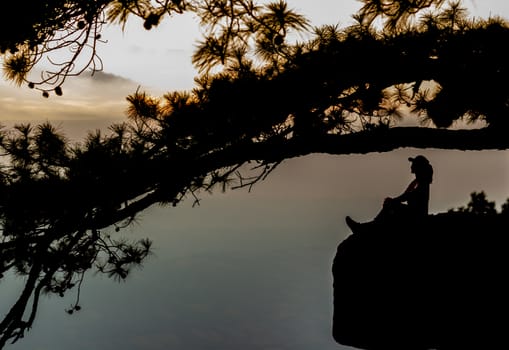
[87,97]
[109,78]
[89,102]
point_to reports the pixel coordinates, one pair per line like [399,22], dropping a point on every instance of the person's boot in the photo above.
[354,225]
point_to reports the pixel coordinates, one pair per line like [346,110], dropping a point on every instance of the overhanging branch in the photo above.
[278,149]
[379,141]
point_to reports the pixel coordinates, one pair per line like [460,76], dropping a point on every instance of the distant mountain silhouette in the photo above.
[441,284]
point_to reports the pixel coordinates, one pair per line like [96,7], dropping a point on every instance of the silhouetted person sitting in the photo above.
[412,204]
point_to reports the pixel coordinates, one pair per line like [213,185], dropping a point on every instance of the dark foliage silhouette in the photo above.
[258,100]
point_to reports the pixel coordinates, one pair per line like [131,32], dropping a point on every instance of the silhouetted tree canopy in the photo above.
[259,99]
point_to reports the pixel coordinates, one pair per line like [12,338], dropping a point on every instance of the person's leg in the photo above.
[355,226]
[391,209]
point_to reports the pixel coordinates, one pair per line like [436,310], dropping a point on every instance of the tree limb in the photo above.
[365,142]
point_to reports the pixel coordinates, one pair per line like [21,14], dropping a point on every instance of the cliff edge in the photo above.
[439,284]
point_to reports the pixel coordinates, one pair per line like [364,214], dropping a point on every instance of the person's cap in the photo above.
[419,159]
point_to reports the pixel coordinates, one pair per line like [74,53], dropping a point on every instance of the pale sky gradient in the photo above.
[243,270]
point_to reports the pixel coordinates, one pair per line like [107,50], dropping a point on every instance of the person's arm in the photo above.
[404,196]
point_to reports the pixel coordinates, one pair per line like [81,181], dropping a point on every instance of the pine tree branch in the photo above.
[378,141]
[277,150]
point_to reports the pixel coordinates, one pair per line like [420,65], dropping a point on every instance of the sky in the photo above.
[242,270]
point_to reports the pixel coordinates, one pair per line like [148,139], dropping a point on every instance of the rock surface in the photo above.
[439,284]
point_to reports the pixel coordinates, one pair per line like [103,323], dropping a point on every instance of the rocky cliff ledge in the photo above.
[440,285]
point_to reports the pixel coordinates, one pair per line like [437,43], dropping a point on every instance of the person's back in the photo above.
[418,199]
